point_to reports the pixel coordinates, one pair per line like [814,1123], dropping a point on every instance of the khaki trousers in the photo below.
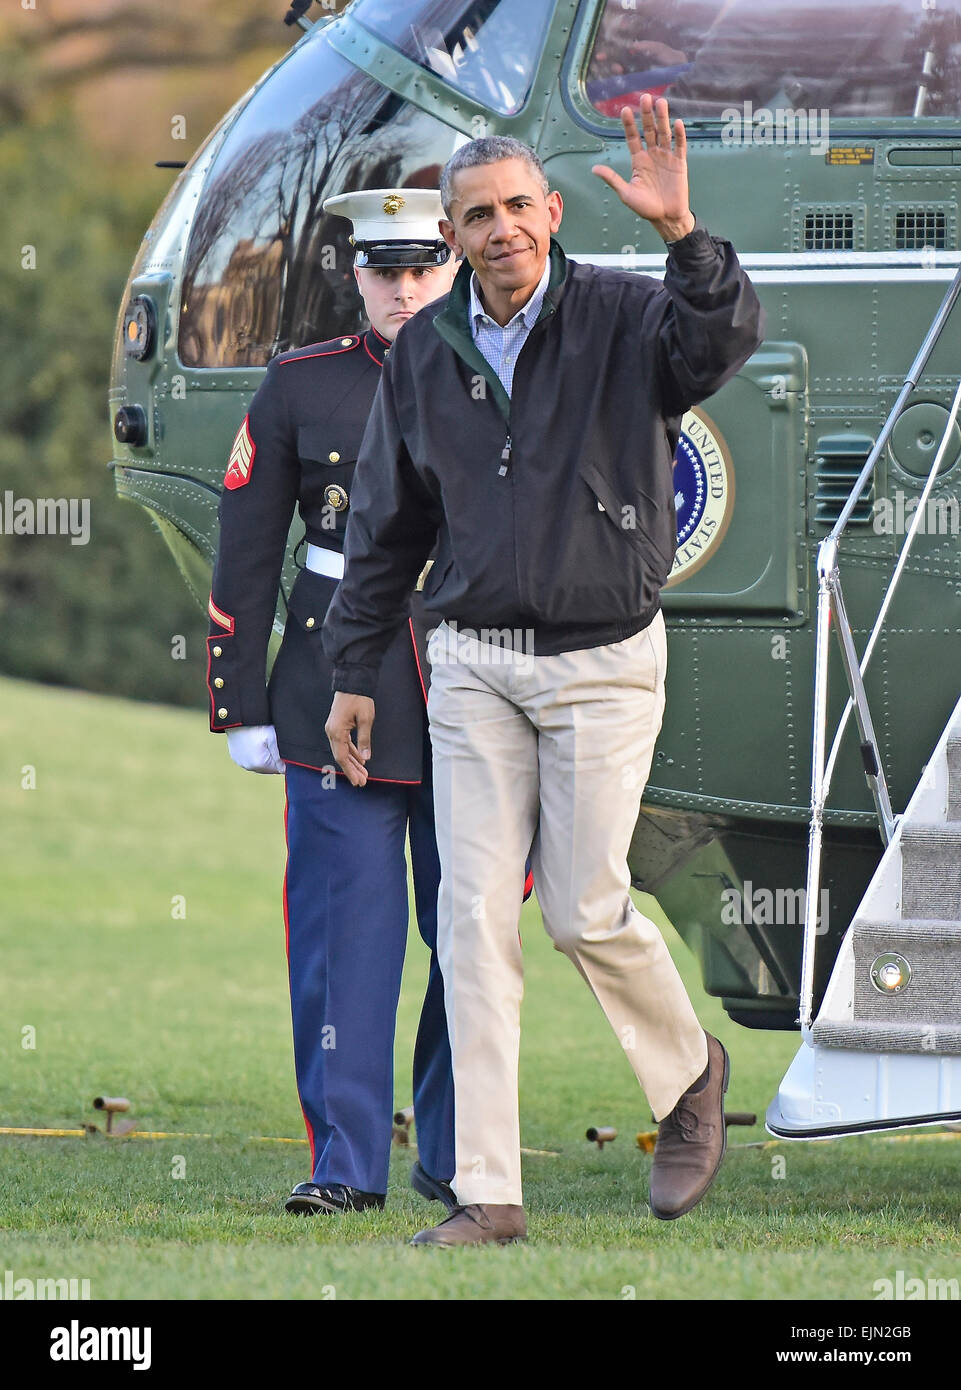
[551,752]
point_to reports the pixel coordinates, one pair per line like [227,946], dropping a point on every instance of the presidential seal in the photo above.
[703,493]
[335,496]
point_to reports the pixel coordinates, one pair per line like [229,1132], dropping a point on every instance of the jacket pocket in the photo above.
[309,600]
[639,521]
[435,580]
[326,478]
[316,444]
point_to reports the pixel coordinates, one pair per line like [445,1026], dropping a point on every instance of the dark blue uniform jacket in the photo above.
[297,447]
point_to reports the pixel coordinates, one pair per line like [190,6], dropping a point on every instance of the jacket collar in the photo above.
[376,345]
[453,321]
[530,313]
[457,309]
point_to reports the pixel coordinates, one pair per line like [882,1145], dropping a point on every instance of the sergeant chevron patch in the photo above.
[241,459]
[219,616]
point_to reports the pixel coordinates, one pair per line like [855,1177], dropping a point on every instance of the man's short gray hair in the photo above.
[489,150]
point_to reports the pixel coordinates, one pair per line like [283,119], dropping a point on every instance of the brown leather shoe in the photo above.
[691,1141]
[477,1225]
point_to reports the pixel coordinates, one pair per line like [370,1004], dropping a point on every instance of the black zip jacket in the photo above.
[552,510]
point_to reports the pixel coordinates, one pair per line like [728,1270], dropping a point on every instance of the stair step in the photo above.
[875,1035]
[931,871]
[932,949]
[908,929]
[953,750]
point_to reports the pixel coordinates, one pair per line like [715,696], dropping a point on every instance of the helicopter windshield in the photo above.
[867,58]
[487,49]
[266,269]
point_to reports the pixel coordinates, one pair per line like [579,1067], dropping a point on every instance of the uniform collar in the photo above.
[376,345]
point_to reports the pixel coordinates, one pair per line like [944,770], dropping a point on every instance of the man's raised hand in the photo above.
[657,190]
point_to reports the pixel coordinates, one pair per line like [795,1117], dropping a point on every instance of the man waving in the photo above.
[527,424]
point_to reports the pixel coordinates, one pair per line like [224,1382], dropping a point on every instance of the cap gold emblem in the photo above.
[336,497]
[393,204]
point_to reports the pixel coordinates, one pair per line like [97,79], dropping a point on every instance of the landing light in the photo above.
[890,973]
[139,327]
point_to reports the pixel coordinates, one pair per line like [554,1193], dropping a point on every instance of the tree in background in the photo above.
[99,615]
[86,92]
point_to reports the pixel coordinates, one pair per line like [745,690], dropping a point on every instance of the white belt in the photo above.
[329,562]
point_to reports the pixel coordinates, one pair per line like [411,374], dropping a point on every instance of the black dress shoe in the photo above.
[308,1199]
[434,1189]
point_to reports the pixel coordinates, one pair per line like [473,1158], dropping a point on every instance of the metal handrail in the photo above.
[831,600]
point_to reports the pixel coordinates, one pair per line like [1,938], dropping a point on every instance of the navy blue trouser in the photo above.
[345,905]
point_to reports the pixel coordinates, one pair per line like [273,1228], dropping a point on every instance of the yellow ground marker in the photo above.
[61,1133]
[163,1134]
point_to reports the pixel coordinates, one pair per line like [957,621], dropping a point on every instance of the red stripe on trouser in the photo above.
[307,1124]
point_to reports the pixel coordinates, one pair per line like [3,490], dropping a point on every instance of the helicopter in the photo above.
[824,141]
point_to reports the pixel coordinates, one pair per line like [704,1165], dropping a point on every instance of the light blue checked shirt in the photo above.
[501,346]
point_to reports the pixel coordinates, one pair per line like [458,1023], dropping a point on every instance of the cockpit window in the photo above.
[487,49]
[266,268]
[866,58]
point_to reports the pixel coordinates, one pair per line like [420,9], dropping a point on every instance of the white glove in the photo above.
[254,748]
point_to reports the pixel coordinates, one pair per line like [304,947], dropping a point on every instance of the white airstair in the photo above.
[885,1049]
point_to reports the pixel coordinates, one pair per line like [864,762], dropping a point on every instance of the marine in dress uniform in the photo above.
[345,888]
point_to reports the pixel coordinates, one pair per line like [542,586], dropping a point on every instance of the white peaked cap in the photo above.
[384,215]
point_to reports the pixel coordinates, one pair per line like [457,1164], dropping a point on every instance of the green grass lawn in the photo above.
[142,940]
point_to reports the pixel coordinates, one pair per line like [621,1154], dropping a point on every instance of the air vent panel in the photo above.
[838,460]
[916,228]
[829,229]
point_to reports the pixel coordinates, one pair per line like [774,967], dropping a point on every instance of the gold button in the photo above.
[310,622]
[219,683]
[218,651]
[346,342]
[221,713]
[334,457]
